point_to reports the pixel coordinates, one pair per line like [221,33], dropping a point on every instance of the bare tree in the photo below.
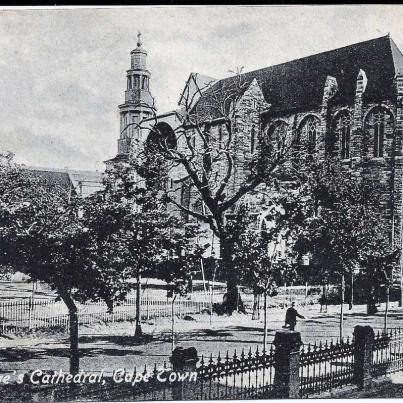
[220,154]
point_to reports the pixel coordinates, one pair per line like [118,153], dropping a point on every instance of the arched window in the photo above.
[342,133]
[379,124]
[308,132]
[276,134]
[161,136]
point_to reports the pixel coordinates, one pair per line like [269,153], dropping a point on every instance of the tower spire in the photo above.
[139,43]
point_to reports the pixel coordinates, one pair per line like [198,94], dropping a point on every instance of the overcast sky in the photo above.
[62,71]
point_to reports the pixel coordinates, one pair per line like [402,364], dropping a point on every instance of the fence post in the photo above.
[286,364]
[184,362]
[363,347]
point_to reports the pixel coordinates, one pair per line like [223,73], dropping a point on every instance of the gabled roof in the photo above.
[298,85]
[195,85]
[82,183]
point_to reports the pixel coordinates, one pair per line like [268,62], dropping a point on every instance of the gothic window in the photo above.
[136,81]
[308,132]
[379,124]
[342,130]
[143,83]
[252,139]
[276,135]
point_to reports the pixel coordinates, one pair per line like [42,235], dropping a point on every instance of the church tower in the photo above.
[138,100]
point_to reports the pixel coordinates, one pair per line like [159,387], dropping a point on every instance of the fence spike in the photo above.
[202,361]
[257,351]
[227,357]
[235,357]
[211,359]
[219,358]
[250,353]
[145,369]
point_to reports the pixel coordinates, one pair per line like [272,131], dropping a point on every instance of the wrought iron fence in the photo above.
[247,375]
[24,315]
[324,367]
[387,352]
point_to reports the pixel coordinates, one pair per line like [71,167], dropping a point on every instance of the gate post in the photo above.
[363,347]
[184,362]
[286,364]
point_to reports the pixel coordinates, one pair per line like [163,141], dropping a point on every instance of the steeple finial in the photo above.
[139,39]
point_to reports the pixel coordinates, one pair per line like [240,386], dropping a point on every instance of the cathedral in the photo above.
[346,101]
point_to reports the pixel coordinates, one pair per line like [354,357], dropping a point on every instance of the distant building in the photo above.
[76,183]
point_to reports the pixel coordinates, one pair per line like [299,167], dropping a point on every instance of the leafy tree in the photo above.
[265,257]
[148,237]
[347,229]
[42,235]
[177,271]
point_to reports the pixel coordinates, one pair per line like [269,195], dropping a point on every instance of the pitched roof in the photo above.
[298,84]
[195,85]
[82,183]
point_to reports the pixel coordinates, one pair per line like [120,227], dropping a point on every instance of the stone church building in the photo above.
[346,101]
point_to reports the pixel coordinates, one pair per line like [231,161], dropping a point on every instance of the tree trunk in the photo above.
[342,307]
[350,305]
[265,323]
[73,316]
[371,306]
[233,298]
[173,323]
[385,326]
[138,331]
[254,310]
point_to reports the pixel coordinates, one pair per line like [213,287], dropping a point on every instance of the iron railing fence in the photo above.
[149,385]
[326,366]
[236,376]
[240,376]
[17,316]
[387,352]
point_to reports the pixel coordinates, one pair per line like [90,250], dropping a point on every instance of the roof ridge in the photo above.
[314,55]
[58,170]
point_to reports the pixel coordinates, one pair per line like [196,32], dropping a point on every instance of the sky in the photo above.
[63,71]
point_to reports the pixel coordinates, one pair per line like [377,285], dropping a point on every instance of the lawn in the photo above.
[111,346]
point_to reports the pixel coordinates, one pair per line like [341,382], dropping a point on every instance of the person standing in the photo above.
[291,317]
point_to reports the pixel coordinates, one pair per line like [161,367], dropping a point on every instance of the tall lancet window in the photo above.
[308,132]
[379,124]
[342,132]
